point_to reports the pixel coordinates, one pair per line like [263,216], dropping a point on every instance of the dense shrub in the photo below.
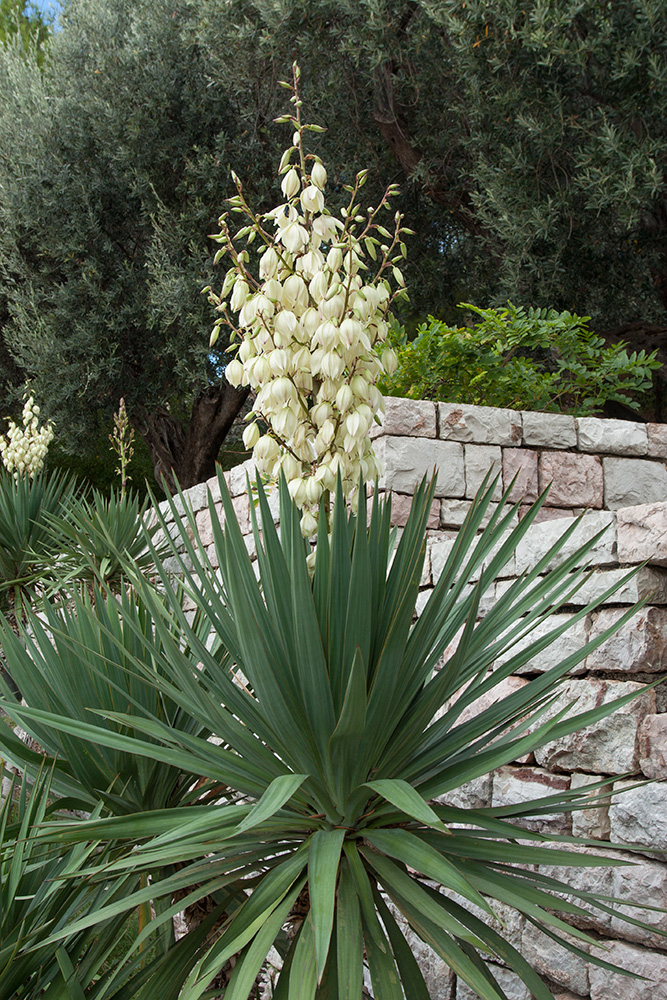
[535,359]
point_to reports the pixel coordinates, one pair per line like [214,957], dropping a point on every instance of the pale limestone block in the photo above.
[479,424]
[644,882]
[657,440]
[639,645]
[475,794]
[549,514]
[504,689]
[479,460]
[516,785]
[213,488]
[638,815]
[609,746]
[204,527]
[178,565]
[612,437]
[591,823]
[401,504]
[236,477]
[520,465]
[653,747]
[422,600]
[642,534]
[554,960]
[539,538]
[573,480]
[632,481]
[595,880]
[549,430]
[441,549]
[513,987]
[454,512]
[563,646]
[651,965]
[407,460]
[406,418]
[646,583]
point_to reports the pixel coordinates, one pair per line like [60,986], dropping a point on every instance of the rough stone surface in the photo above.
[632,481]
[238,476]
[454,512]
[522,464]
[612,437]
[422,600]
[641,882]
[638,815]
[442,547]
[642,534]
[595,880]
[406,417]
[657,440]
[506,687]
[653,747]
[559,649]
[509,982]
[475,794]
[554,960]
[576,480]
[479,424]
[400,509]
[639,645]
[647,583]
[548,514]
[407,460]
[608,746]
[515,785]
[479,459]
[592,823]
[549,430]
[607,985]
[539,538]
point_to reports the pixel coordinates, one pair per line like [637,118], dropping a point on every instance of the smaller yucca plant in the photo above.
[338,724]
[98,538]
[28,544]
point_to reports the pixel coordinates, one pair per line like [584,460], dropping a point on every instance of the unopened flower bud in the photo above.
[251,435]
[318,175]
[291,183]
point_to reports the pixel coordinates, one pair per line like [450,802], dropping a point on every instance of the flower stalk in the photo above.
[308,320]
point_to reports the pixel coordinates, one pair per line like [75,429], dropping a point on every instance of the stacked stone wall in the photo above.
[614,474]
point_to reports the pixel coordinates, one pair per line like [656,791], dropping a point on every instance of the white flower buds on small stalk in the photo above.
[311,328]
[24,449]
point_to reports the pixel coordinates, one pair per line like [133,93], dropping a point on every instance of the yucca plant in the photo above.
[28,546]
[86,661]
[99,536]
[43,890]
[339,721]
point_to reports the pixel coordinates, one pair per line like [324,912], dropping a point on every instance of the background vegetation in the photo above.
[530,143]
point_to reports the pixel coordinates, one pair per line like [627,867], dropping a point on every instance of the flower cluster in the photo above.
[24,449]
[311,325]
